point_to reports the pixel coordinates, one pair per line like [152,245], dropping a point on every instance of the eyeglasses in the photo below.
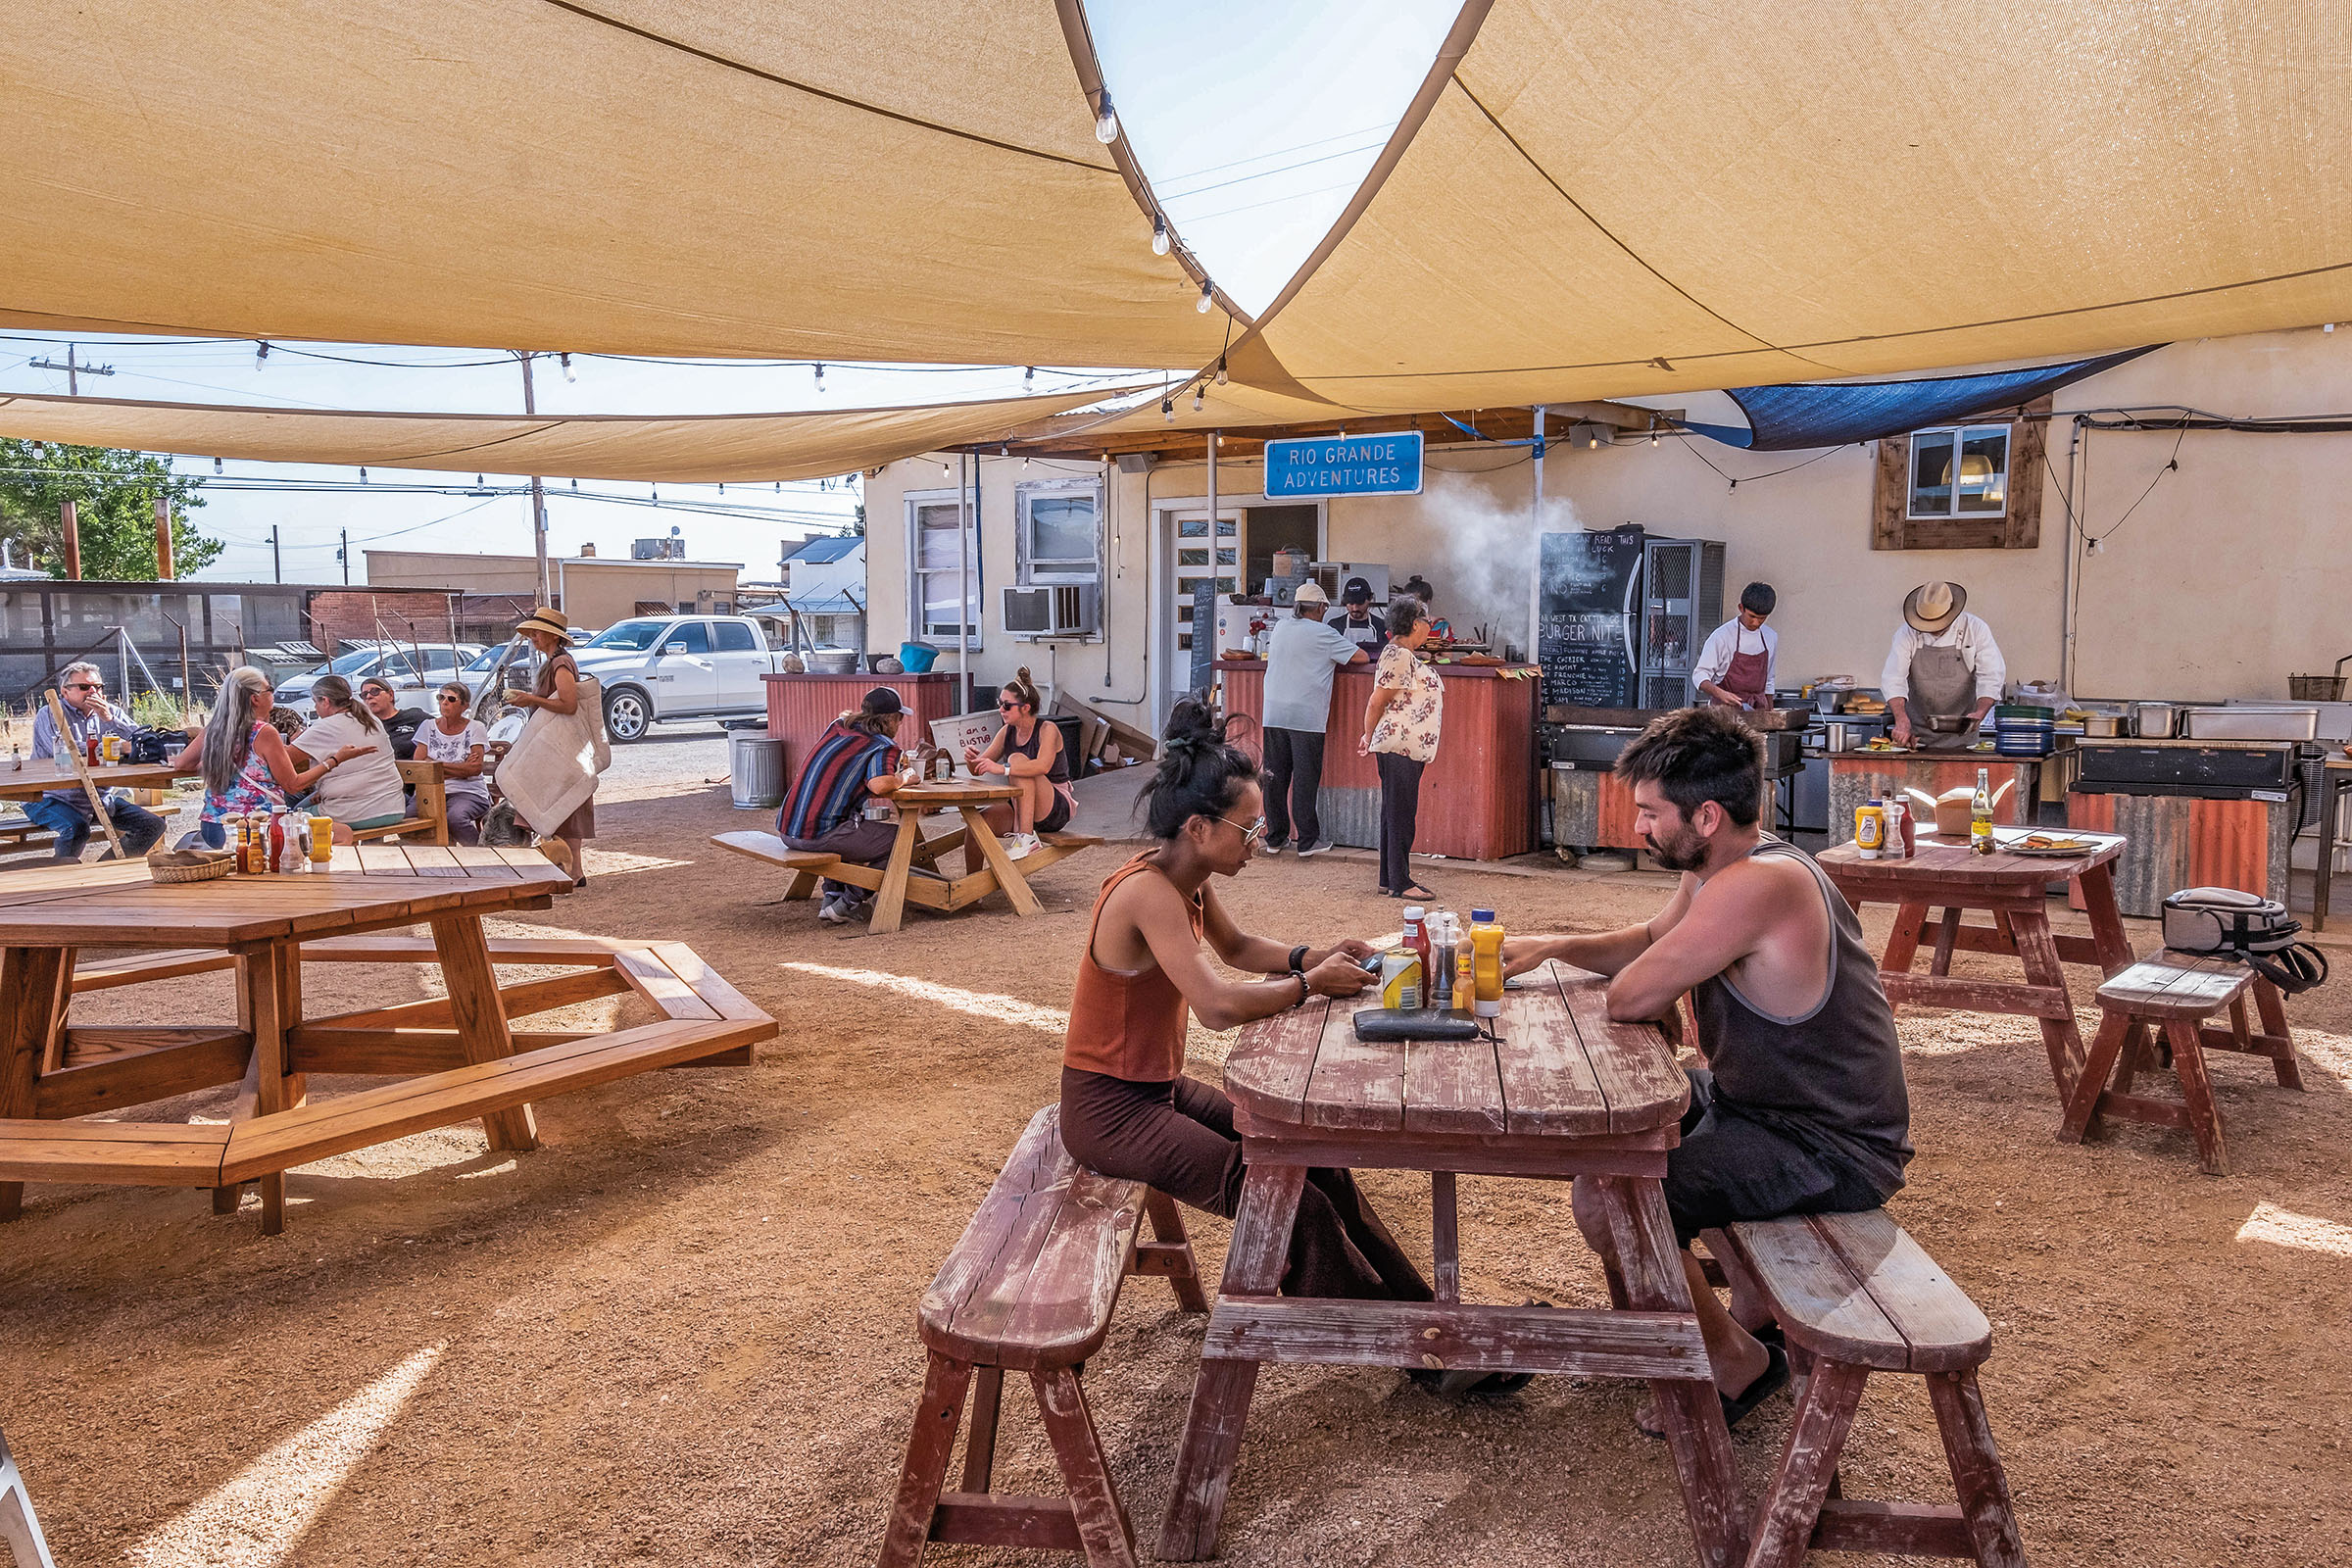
[86,686]
[1004,706]
[450,696]
[1251,832]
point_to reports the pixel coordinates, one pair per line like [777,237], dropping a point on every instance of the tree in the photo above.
[114,495]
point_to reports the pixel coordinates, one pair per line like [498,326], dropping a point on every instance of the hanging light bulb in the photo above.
[364,476]
[722,489]
[820,378]
[1653,436]
[1029,379]
[1024,465]
[565,360]
[1167,409]
[1159,234]
[1106,121]
[1220,369]
[944,472]
[1199,393]
[1591,438]
[216,465]
[656,489]
[779,487]
[477,481]
[575,484]
[261,352]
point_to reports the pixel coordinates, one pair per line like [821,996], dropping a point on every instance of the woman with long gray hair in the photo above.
[245,763]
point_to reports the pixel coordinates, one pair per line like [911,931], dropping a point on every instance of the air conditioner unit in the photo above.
[1053,610]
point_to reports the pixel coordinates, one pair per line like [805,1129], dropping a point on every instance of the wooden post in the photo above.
[163,539]
[72,532]
[81,770]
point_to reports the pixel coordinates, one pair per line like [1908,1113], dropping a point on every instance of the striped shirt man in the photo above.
[831,789]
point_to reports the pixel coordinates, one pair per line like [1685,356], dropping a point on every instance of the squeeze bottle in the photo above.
[1486,943]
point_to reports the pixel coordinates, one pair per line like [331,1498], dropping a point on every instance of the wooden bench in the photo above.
[431,820]
[2175,993]
[22,833]
[20,1531]
[1854,1295]
[1030,1287]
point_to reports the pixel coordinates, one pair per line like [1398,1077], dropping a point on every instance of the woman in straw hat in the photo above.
[1945,671]
[558,690]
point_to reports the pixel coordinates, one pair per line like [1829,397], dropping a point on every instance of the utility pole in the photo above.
[344,555]
[530,408]
[74,373]
[277,572]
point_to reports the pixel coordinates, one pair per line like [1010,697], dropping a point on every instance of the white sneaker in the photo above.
[831,913]
[1020,846]
[1316,848]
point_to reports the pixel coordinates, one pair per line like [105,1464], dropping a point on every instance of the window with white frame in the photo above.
[1059,533]
[936,559]
[1960,472]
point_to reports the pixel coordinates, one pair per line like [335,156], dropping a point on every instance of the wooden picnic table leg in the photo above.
[2107,937]
[1007,871]
[2059,1036]
[926,1466]
[1212,1427]
[1690,1409]
[1445,1237]
[2272,1009]
[1103,1532]
[35,984]
[480,1017]
[1976,1474]
[269,1003]
[1167,1228]
[1791,1503]
[890,903]
[1947,936]
[2196,1089]
[2083,1105]
[1902,943]
[980,1438]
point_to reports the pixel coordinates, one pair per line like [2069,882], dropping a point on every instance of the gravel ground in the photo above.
[682,1332]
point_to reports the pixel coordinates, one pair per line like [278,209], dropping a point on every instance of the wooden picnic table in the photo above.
[911,874]
[39,777]
[1561,1092]
[453,1057]
[2014,889]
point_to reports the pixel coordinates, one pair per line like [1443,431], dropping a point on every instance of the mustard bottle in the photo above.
[1486,946]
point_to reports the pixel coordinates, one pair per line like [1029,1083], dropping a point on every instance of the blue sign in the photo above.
[1345,465]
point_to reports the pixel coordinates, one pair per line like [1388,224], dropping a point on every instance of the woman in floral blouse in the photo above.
[1400,731]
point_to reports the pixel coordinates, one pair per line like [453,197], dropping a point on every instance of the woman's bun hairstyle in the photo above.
[1024,691]
[1200,772]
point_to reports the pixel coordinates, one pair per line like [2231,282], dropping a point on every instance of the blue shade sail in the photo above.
[1799,415]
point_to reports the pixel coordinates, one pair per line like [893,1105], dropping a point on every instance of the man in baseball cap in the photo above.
[1943,673]
[1300,658]
[1358,624]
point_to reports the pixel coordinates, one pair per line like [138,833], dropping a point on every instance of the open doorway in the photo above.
[1239,557]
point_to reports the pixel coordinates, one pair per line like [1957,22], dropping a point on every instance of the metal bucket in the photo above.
[756,767]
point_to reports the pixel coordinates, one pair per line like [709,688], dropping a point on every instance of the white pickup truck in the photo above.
[657,668]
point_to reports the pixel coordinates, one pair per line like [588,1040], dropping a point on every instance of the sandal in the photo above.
[1414,890]
[1769,1381]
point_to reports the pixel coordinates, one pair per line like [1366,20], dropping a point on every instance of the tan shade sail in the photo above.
[1612,201]
[695,448]
[881,180]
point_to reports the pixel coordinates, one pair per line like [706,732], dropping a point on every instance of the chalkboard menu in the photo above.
[1586,635]
[1204,631]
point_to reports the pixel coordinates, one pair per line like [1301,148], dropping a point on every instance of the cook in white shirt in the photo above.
[1944,672]
[1736,664]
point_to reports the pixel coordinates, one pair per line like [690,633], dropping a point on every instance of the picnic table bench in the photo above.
[20,1529]
[1030,1287]
[911,874]
[454,1057]
[1854,1295]
[2174,994]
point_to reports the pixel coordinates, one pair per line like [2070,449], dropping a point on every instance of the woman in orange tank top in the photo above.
[1127,1108]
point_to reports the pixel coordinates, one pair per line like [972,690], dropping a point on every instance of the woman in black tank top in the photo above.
[1027,754]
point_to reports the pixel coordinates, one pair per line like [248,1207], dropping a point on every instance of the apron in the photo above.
[1747,675]
[1943,689]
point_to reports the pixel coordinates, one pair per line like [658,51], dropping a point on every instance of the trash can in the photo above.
[755,766]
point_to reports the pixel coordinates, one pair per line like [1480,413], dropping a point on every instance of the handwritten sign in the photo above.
[1345,465]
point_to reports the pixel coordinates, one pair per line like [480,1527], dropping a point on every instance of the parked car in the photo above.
[412,668]
[660,668]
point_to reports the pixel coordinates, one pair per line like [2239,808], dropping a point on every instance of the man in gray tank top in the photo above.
[1801,1108]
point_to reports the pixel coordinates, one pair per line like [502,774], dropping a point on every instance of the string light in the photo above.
[1653,436]
[1220,369]
[364,477]
[216,465]
[261,352]
[1159,234]
[944,472]
[1106,121]
[820,378]
[565,360]
[1029,379]
[1199,393]
[1167,409]
[1591,438]
[1207,296]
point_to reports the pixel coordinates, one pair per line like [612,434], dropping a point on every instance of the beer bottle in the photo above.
[1979,814]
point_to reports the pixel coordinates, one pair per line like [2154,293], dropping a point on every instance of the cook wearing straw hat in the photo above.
[557,689]
[1945,671]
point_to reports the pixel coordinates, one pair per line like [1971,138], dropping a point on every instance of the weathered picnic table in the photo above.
[2013,888]
[1561,1092]
[451,1057]
[37,779]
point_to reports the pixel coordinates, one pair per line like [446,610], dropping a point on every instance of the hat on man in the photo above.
[547,621]
[1933,605]
[883,700]
[1310,592]
[1357,592]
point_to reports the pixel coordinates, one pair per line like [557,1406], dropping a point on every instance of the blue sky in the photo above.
[1254,122]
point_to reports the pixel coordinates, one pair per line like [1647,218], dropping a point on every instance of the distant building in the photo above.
[824,585]
[594,590]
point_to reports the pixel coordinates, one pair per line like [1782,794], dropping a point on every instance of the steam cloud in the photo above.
[1487,552]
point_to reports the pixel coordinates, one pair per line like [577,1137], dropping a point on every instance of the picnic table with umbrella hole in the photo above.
[63,1087]
[1562,1091]
[2012,885]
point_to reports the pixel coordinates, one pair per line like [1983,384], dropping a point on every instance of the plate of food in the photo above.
[2054,846]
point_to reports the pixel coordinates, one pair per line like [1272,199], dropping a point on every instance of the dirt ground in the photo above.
[683,1331]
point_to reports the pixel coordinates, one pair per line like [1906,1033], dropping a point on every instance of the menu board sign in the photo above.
[1586,633]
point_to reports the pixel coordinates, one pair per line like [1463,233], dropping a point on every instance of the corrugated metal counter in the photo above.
[1857,777]
[2173,842]
[800,707]
[1477,799]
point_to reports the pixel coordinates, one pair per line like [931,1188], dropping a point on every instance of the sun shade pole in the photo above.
[1535,584]
[966,488]
[530,409]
